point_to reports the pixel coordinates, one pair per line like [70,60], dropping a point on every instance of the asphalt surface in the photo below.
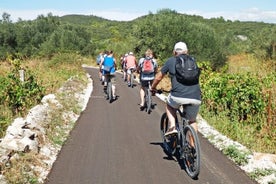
[118,143]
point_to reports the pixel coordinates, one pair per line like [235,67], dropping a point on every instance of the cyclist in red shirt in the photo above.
[130,63]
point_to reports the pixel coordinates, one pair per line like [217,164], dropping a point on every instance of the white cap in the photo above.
[181,47]
[130,53]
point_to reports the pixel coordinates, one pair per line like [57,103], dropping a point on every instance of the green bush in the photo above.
[20,95]
[241,106]
[238,94]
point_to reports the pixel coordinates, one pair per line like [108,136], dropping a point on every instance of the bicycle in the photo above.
[184,144]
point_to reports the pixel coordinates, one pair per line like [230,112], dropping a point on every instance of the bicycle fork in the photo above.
[181,146]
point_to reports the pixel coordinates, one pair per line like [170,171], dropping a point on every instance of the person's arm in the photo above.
[139,67]
[136,65]
[159,76]
[155,67]
[115,64]
[126,62]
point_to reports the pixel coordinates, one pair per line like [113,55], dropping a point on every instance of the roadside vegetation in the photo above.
[238,62]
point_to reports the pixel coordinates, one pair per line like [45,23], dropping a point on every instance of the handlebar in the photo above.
[159,91]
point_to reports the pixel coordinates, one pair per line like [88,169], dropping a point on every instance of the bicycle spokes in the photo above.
[191,151]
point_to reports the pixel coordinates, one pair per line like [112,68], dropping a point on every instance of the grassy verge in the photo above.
[51,74]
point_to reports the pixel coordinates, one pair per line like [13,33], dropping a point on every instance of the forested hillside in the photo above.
[243,100]
[209,39]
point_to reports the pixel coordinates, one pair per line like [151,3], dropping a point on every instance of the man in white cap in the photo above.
[131,63]
[179,93]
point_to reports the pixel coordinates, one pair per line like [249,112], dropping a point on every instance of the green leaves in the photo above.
[238,94]
[240,158]
[20,95]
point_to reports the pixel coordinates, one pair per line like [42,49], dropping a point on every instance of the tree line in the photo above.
[211,40]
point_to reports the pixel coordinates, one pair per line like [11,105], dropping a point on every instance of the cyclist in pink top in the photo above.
[131,63]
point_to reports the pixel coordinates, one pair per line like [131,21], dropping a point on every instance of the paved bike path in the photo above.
[117,143]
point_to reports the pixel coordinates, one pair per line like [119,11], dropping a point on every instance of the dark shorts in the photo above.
[144,83]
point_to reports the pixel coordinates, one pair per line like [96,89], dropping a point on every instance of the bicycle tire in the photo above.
[131,79]
[169,143]
[148,100]
[109,91]
[191,154]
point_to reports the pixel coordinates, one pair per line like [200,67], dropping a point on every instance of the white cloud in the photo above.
[258,15]
[30,14]
[253,14]
[33,14]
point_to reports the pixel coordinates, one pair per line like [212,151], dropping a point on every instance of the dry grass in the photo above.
[5,68]
[244,63]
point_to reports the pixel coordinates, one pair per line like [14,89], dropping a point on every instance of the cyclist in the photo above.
[98,60]
[146,74]
[179,93]
[108,67]
[101,66]
[131,64]
[123,63]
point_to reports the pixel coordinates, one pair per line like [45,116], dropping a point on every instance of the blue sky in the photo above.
[243,10]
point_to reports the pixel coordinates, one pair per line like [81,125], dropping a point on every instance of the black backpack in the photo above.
[186,70]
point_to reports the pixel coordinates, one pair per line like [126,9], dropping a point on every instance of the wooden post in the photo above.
[269,113]
[21,75]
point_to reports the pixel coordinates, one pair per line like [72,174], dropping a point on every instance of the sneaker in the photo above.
[142,107]
[128,84]
[114,98]
[171,131]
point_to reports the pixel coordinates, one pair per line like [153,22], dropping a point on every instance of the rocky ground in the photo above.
[28,134]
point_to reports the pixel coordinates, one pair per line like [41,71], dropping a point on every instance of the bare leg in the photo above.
[128,78]
[194,125]
[142,94]
[171,113]
[125,74]
[103,78]
[113,91]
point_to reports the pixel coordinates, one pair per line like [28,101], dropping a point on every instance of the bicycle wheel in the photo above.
[109,91]
[191,151]
[131,79]
[169,142]
[148,100]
